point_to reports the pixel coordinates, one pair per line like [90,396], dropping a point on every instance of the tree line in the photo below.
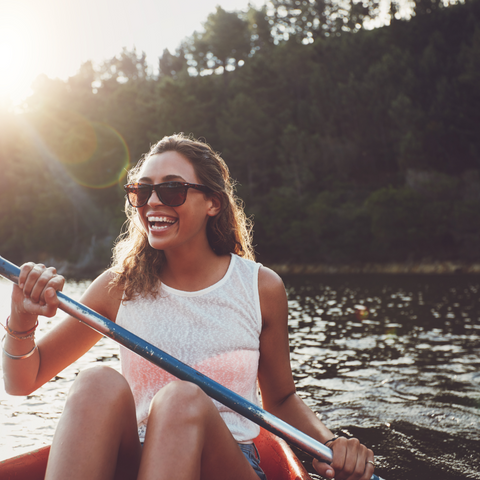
[348,144]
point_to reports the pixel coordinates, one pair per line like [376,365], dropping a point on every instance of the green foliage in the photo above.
[259,25]
[246,132]
[434,223]
[396,216]
[173,65]
[225,41]
[358,146]
[128,66]
[308,20]
[466,228]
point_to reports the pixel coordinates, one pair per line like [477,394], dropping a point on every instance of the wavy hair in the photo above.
[137,265]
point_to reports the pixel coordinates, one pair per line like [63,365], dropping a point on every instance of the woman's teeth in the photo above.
[158,223]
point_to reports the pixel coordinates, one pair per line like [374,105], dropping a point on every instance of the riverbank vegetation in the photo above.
[349,144]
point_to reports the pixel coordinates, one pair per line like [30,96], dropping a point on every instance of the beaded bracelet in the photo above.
[20,335]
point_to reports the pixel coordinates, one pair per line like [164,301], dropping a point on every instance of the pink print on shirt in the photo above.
[234,370]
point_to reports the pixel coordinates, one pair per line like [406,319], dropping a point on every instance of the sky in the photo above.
[54,37]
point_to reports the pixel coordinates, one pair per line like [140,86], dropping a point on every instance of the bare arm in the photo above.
[63,344]
[278,389]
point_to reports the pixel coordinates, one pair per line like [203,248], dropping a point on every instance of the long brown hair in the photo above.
[137,265]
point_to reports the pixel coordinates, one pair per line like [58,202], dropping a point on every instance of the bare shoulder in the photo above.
[269,282]
[273,298]
[102,296]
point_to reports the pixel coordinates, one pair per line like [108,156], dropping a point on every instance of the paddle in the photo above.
[184,372]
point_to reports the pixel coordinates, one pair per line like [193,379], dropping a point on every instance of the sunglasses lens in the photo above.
[138,195]
[172,194]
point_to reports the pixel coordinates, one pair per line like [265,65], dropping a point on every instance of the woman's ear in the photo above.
[215,205]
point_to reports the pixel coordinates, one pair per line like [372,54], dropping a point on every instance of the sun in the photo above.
[14,76]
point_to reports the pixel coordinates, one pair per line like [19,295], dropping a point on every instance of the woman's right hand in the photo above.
[36,292]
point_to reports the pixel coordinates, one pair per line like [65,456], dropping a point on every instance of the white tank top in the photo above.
[215,330]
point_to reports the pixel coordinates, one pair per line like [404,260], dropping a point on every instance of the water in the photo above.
[29,422]
[405,379]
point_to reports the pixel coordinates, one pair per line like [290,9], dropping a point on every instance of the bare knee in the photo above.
[181,401]
[101,385]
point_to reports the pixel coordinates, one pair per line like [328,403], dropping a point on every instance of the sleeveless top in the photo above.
[215,330]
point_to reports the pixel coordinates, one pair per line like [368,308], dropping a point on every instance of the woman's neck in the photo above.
[191,272]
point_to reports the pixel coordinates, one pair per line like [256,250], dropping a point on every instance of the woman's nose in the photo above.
[154,198]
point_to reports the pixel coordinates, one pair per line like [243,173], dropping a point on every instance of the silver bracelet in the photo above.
[20,357]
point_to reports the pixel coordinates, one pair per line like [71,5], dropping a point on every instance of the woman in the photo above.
[184,279]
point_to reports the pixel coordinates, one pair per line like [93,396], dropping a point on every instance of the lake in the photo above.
[391,359]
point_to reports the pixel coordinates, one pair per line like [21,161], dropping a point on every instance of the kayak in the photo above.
[277,461]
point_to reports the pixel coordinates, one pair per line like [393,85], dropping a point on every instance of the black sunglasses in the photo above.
[171,194]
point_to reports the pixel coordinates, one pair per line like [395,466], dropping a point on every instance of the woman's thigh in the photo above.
[223,459]
[98,425]
[187,438]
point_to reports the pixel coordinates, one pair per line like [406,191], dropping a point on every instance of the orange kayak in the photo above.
[278,462]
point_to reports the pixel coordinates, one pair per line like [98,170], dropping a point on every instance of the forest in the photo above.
[348,144]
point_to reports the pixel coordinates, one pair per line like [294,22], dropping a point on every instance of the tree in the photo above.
[423,7]
[126,66]
[260,28]
[311,19]
[172,65]
[224,43]
[84,78]
[246,133]
[310,131]
[306,19]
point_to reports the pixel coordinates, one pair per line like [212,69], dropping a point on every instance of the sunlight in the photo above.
[17,57]
[54,37]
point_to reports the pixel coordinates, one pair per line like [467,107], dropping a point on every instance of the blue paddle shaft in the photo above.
[184,372]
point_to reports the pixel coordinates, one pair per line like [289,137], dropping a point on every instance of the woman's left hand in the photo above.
[351,461]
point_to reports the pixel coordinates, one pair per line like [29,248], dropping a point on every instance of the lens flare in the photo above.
[93,153]
[109,162]
[68,135]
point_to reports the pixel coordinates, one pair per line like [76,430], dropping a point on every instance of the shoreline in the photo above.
[421,268]
[82,272]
